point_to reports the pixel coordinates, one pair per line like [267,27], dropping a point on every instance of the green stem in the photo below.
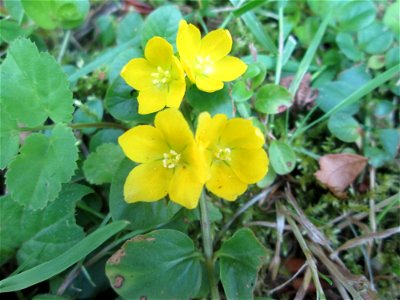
[64,46]
[77,126]
[208,248]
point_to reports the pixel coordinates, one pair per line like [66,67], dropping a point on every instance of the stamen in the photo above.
[204,65]
[223,154]
[161,77]
[171,159]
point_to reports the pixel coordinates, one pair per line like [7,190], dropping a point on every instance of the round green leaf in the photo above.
[240,93]
[355,15]
[376,62]
[282,157]
[90,112]
[218,102]
[109,135]
[390,140]
[105,29]
[272,99]
[375,39]
[334,92]
[100,166]
[52,13]
[162,264]
[130,27]
[121,103]
[392,17]
[141,215]
[33,85]
[240,257]
[35,176]
[383,108]
[344,127]
[163,22]
[120,61]
[347,46]
[10,30]
[392,57]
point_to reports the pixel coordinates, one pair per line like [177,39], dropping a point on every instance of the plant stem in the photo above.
[208,248]
[64,46]
[77,126]
[278,70]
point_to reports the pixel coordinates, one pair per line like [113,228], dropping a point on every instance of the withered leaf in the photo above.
[338,171]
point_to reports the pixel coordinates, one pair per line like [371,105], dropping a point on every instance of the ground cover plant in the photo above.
[199,149]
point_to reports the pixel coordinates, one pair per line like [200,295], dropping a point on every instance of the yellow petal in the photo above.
[216,44]
[224,183]
[207,84]
[147,182]
[151,100]
[177,86]
[240,133]
[188,40]
[143,144]
[137,72]
[228,68]
[159,52]
[209,129]
[193,157]
[185,187]
[250,165]
[174,128]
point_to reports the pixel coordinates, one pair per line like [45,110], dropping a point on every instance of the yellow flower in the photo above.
[158,77]
[170,161]
[233,150]
[206,61]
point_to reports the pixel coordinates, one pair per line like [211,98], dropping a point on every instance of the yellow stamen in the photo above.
[171,159]
[223,154]
[204,65]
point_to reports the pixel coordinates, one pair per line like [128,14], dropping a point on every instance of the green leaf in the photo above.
[241,257]
[34,178]
[347,46]
[51,14]
[273,99]
[105,29]
[256,71]
[218,102]
[376,62]
[282,157]
[240,92]
[392,17]
[162,264]
[15,9]
[89,112]
[33,86]
[10,30]
[392,57]
[375,39]
[100,166]
[355,15]
[333,93]
[9,138]
[120,61]
[163,22]
[141,215]
[130,28]
[376,156]
[109,135]
[344,127]
[390,140]
[55,266]
[121,103]
[40,235]
[323,7]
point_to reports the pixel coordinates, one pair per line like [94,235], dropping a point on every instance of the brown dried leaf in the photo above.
[338,171]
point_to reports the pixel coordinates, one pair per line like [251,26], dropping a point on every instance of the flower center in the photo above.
[223,154]
[161,77]
[171,159]
[204,65]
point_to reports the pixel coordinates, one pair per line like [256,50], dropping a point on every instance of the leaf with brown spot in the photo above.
[338,171]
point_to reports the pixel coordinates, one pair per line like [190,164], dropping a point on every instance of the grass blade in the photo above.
[259,33]
[101,60]
[354,97]
[306,61]
[55,266]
